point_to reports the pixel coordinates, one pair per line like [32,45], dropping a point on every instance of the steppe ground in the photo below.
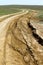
[21,35]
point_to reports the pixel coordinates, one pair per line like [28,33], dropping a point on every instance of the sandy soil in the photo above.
[18,46]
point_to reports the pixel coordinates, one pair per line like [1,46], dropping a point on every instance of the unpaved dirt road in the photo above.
[9,15]
[18,46]
[4,25]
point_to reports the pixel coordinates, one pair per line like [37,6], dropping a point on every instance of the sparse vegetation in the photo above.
[8,10]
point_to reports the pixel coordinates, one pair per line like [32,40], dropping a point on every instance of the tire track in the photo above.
[4,25]
[9,15]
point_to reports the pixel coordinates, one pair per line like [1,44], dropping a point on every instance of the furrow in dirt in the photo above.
[36,36]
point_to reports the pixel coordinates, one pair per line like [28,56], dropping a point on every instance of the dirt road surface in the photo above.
[18,46]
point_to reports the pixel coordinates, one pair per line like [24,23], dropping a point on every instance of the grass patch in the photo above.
[8,10]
